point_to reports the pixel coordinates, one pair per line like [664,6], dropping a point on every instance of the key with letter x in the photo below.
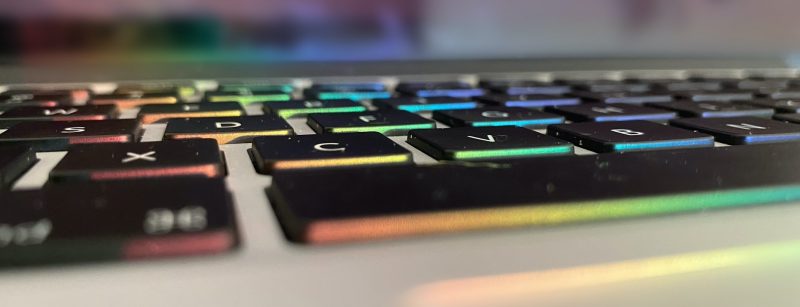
[195,157]
[486,143]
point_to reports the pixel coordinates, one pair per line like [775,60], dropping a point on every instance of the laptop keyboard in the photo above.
[353,161]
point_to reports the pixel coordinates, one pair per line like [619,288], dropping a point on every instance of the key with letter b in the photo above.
[628,136]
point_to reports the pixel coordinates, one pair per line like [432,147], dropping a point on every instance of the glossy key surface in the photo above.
[299,108]
[482,143]
[599,112]
[714,109]
[420,104]
[226,129]
[625,136]
[529,101]
[68,113]
[174,158]
[157,113]
[326,150]
[497,116]
[123,220]
[530,192]
[742,130]
[389,122]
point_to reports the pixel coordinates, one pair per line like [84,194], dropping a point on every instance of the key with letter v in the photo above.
[485,143]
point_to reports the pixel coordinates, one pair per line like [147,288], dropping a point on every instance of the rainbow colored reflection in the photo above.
[438,106]
[384,129]
[383,227]
[516,152]
[288,113]
[353,95]
[312,163]
[521,123]
[248,99]
[708,142]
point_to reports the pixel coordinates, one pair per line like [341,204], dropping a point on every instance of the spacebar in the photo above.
[387,202]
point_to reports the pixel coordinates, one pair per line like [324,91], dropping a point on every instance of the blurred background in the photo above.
[347,30]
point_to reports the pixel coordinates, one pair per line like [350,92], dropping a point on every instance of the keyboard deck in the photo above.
[133,170]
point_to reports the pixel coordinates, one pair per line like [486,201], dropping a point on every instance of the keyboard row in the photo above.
[530,93]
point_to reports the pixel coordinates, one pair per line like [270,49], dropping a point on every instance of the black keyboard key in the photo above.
[742,130]
[226,129]
[529,192]
[16,99]
[75,94]
[256,86]
[158,113]
[722,96]
[326,150]
[791,93]
[525,87]
[788,117]
[299,108]
[439,89]
[605,86]
[529,101]
[597,112]
[50,135]
[468,143]
[352,91]
[195,157]
[625,97]
[780,105]
[246,96]
[183,90]
[419,104]
[497,116]
[133,100]
[690,86]
[124,220]
[629,136]
[70,113]
[714,109]
[764,84]
[14,160]
[388,122]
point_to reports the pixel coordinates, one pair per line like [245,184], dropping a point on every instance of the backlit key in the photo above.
[780,105]
[57,135]
[628,136]
[727,95]
[529,101]
[66,113]
[625,97]
[299,108]
[414,104]
[183,90]
[256,87]
[388,122]
[714,109]
[120,220]
[326,150]
[132,100]
[497,116]
[195,157]
[525,87]
[469,143]
[742,130]
[599,112]
[352,91]
[439,89]
[17,99]
[76,94]
[14,160]
[156,113]
[247,96]
[226,129]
